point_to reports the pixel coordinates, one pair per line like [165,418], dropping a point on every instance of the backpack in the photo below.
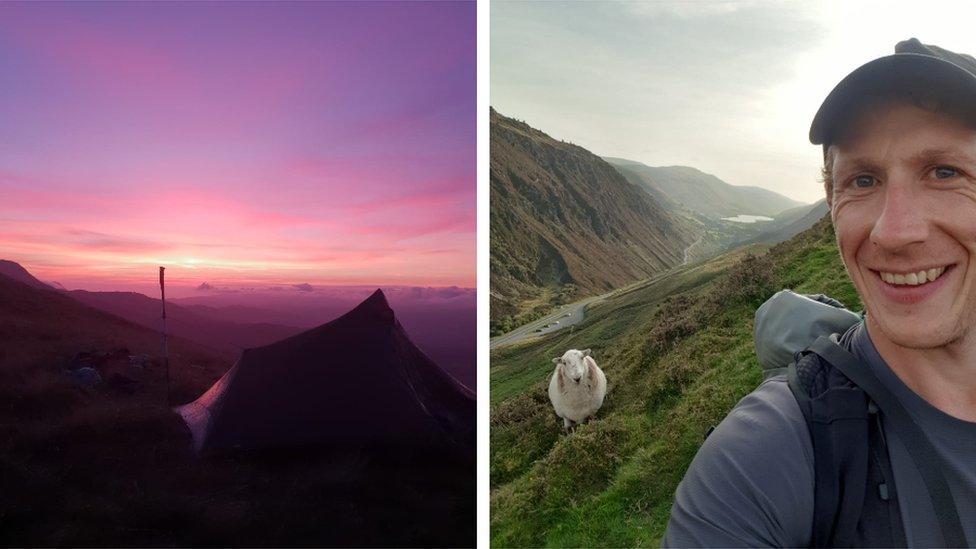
[855,499]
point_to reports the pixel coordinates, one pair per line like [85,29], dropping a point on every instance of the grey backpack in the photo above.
[788,323]
[855,501]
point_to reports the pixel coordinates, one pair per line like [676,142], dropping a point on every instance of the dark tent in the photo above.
[356,380]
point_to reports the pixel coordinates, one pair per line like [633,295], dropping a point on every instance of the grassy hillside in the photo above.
[678,354]
[565,224]
[113,465]
[706,202]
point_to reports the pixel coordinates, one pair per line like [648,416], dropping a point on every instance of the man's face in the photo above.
[904,203]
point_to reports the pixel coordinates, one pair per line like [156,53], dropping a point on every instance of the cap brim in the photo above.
[901,71]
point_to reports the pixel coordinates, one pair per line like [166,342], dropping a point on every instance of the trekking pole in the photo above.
[162,290]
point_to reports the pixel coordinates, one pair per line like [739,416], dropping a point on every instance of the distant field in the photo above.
[678,354]
[514,369]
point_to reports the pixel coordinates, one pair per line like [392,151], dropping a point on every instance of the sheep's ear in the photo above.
[586,352]
[557,360]
[591,369]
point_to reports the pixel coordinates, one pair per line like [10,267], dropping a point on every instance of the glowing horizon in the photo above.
[239,144]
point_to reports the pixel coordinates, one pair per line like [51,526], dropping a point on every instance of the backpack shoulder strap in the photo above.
[837,418]
[918,445]
[880,524]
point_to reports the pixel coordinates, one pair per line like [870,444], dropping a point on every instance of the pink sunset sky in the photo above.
[238,144]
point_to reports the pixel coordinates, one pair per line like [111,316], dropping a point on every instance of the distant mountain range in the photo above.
[686,187]
[565,221]
[445,330]
[183,322]
[711,202]
[212,331]
[792,222]
[41,328]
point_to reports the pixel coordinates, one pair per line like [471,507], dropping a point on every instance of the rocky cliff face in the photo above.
[565,220]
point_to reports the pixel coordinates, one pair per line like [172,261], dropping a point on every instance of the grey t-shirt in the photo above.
[751,483]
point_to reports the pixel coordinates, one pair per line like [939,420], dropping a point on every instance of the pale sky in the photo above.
[729,88]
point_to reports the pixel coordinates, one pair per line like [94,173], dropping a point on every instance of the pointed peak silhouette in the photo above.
[374,305]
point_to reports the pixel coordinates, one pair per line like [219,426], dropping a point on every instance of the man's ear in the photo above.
[827,175]
[586,352]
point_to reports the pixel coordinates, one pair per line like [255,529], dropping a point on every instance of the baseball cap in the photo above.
[914,66]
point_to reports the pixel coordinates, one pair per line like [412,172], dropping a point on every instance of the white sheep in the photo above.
[577,387]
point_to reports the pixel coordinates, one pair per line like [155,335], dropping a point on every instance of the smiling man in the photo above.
[871,439]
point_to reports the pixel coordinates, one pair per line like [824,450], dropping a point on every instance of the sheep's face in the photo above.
[572,366]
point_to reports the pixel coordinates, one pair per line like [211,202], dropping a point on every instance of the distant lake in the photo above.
[742,218]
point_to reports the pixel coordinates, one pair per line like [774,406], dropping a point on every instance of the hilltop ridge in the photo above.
[565,223]
[16,271]
[688,187]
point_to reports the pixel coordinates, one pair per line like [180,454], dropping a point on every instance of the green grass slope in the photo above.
[678,354]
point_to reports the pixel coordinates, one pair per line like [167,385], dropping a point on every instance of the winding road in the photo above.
[568,315]
[564,316]
[688,249]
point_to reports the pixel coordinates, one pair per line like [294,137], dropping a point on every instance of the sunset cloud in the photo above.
[239,144]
